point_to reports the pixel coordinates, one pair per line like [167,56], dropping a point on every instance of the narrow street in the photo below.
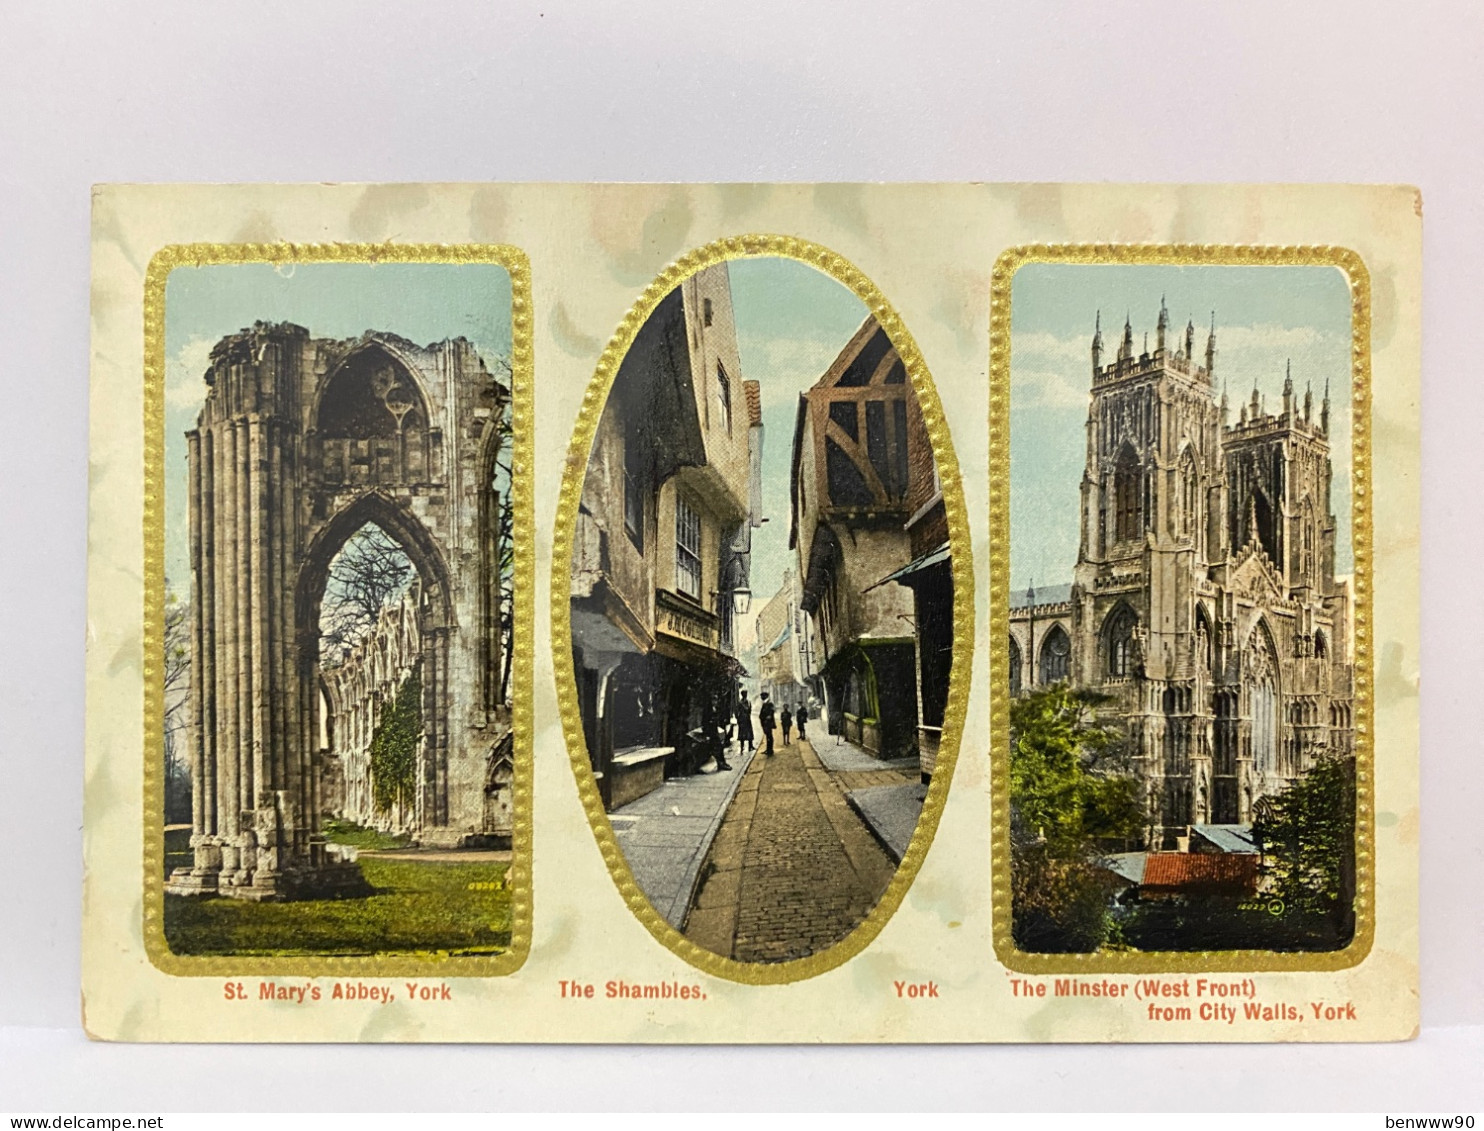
[792,868]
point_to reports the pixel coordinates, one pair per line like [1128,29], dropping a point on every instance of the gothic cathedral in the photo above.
[1204,600]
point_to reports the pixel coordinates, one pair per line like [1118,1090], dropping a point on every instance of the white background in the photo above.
[187,91]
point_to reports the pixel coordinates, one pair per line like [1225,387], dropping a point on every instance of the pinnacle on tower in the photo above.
[1097,342]
[1324,409]
[1211,347]
[1308,400]
[1190,340]
[1163,325]
[1288,378]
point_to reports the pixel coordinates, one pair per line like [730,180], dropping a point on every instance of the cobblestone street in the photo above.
[793,869]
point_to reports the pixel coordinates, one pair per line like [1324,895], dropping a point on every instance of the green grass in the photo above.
[419,907]
[357,836]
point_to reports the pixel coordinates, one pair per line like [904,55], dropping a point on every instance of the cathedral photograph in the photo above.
[1181,660]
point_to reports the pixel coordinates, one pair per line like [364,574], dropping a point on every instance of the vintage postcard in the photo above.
[753,613]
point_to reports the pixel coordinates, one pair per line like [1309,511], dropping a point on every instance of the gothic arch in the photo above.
[1266,695]
[1128,495]
[1204,638]
[371,422]
[1119,643]
[1189,487]
[400,525]
[1015,664]
[1055,662]
[1308,541]
[426,557]
[1263,523]
[357,363]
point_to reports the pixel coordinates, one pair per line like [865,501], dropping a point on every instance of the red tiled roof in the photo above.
[1206,871]
[754,393]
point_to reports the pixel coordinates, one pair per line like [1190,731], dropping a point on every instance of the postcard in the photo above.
[753,613]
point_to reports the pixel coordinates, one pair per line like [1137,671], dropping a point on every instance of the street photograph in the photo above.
[762,609]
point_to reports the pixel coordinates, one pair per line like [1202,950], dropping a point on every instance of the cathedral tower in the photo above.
[1204,600]
[1152,492]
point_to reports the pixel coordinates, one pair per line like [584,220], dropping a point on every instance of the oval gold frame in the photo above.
[594,401]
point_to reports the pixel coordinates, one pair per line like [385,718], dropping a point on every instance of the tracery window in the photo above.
[1056,656]
[1190,484]
[1120,637]
[1265,717]
[1128,489]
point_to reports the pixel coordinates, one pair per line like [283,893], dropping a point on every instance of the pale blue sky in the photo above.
[1265,316]
[423,302]
[792,322]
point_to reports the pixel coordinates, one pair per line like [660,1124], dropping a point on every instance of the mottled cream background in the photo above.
[930,250]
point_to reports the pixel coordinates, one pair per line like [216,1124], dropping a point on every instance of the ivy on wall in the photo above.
[394,745]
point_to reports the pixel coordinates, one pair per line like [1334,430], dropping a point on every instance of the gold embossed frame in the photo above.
[303,446]
[1236,717]
[583,445]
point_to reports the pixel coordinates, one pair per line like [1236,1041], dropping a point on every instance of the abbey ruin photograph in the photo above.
[338,760]
[1181,659]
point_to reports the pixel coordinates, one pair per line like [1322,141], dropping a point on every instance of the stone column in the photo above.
[197,728]
[255,792]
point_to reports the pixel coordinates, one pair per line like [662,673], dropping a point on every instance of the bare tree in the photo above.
[177,670]
[370,572]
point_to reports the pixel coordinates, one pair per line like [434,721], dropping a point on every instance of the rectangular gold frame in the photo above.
[515,262]
[1358,277]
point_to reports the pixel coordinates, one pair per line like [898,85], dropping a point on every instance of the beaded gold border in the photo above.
[515,262]
[1359,280]
[847,274]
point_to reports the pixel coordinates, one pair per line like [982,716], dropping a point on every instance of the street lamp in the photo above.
[735,587]
[741,600]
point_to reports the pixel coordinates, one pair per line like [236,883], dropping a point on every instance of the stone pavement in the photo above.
[842,756]
[891,812]
[792,869]
[665,835]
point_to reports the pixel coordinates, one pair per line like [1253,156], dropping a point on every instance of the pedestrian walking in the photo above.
[788,721]
[711,725]
[766,718]
[745,741]
[800,718]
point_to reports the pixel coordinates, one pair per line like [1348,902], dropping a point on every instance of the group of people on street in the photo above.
[768,718]
[711,739]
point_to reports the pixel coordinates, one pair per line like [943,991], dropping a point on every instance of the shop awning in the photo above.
[782,636]
[916,565]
